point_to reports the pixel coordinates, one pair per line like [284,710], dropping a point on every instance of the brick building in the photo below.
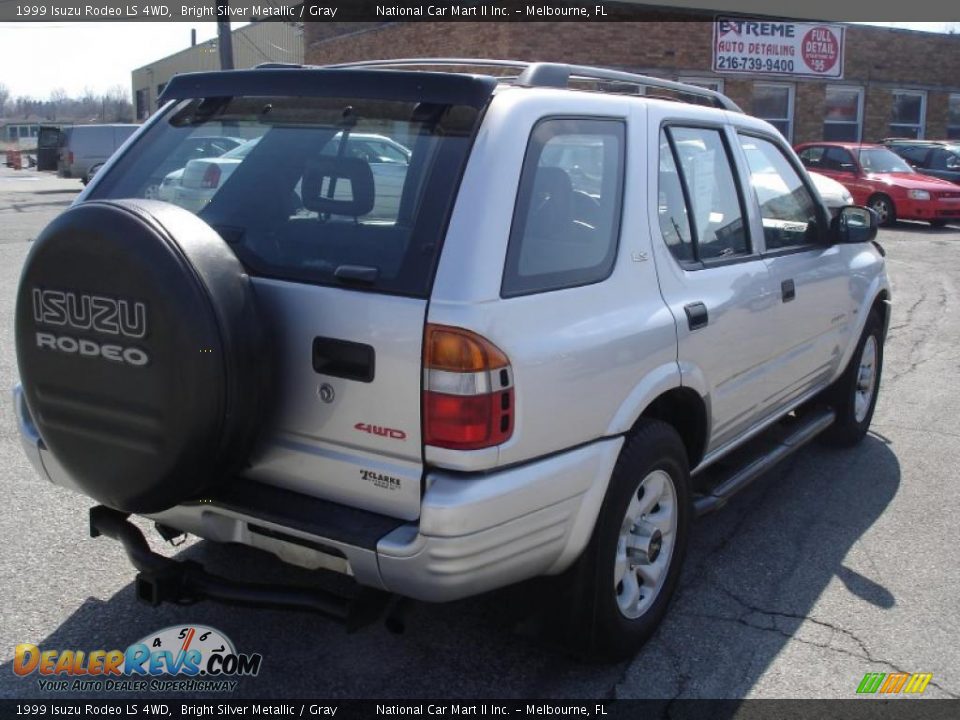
[894,82]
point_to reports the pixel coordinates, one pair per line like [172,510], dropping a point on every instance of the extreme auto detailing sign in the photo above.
[777,48]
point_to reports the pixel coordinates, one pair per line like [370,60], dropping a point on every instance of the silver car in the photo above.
[527,355]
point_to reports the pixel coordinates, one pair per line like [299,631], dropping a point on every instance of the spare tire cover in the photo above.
[140,352]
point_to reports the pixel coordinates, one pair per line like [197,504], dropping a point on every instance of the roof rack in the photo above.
[277,65]
[558,75]
[913,140]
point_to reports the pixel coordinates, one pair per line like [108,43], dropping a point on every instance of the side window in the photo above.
[787,208]
[388,153]
[567,219]
[715,213]
[944,160]
[838,160]
[812,157]
[916,156]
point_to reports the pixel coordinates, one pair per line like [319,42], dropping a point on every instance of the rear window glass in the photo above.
[48,137]
[323,190]
[567,217]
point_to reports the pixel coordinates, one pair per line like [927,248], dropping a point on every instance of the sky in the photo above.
[38,58]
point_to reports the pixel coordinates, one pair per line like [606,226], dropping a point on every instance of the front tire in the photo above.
[854,396]
[885,210]
[630,569]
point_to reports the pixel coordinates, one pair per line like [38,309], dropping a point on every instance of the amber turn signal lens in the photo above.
[459,350]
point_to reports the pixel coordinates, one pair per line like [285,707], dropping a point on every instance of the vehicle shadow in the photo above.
[922,228]
[757,568]
[754,571]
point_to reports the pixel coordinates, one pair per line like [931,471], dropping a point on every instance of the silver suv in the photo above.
[562,313]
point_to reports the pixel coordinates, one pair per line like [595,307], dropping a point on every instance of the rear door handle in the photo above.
[697,316]
[343,359]
[788,290]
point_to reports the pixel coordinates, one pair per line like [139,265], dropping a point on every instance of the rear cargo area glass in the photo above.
[336,191]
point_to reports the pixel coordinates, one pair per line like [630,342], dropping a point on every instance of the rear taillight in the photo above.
[211,177]
[468,390]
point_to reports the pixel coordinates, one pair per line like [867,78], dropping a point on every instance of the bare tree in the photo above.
[4,97]
[59,101]
[112,106]
[116,104]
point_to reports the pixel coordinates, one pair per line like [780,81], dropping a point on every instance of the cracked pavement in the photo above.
[835,564]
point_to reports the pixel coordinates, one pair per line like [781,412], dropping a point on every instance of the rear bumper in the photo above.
[476,532]
[479,532]
[40,457]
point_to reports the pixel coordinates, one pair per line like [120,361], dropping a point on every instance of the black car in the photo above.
[931,157]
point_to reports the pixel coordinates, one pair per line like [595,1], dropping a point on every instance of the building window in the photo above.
[142,100]
[908,113]
[953,118]
[773,102]
[715,84]
[843,113]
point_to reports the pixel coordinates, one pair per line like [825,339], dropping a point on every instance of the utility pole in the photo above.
[224,38]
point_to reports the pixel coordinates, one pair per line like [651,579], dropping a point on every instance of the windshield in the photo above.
[324,190]
[881,160]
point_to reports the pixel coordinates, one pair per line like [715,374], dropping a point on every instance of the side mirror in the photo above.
[854,224]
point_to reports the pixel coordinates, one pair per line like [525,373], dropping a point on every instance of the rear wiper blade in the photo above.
[357,273]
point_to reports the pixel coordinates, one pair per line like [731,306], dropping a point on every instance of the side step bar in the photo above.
[161,579]
[806,429]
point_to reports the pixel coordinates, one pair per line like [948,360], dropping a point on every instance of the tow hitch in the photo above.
[161,579]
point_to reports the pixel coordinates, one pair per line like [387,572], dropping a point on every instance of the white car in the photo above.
[833,194]
[195,185]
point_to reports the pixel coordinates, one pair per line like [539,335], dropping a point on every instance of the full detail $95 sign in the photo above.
[778,48]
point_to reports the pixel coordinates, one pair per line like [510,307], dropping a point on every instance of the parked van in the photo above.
[84,148]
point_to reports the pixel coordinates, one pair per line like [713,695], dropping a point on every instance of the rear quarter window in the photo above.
[566,221]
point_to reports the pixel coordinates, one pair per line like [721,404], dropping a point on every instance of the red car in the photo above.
[883,181]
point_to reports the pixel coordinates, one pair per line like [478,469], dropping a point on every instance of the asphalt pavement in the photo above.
[835,564]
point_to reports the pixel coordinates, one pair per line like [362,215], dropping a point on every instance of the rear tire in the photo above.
[627,575]
[854,395]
